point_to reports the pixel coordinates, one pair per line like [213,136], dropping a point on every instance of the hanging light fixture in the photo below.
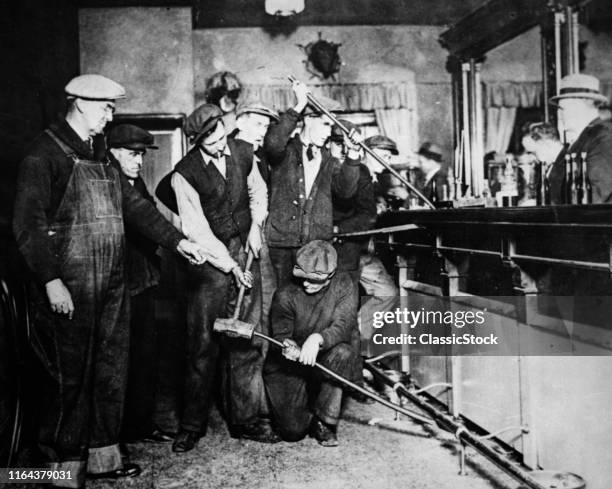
[284,8]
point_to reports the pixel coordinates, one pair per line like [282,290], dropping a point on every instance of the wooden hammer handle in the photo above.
[241,288]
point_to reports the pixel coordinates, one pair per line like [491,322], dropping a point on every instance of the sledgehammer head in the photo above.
[234,328]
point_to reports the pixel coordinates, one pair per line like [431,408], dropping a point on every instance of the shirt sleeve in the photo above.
[196,227]
[142,216]
[258,196]
[344,318]
[30,224]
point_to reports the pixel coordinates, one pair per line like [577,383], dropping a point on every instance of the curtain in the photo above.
[513,94]
[401,126]
[354,97]
[500,124]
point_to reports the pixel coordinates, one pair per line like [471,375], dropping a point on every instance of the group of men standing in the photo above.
[89,231]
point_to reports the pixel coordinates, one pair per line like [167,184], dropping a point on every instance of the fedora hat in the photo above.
[579,85]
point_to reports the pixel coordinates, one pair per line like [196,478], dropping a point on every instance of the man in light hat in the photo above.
[222,201]
[252,122]
[578,105]
[303,181]
[314,320]
[69,219]
[128,144]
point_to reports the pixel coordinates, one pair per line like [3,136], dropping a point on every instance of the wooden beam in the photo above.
[496,22]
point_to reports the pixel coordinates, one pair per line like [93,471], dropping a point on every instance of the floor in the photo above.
[400,455]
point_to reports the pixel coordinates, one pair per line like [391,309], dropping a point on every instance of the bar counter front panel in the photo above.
[553,409]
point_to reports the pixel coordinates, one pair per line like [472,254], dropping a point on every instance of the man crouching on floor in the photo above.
[313,320]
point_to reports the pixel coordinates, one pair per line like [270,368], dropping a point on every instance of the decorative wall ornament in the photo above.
[322,58]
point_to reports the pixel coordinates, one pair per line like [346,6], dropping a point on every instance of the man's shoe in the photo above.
[158,436]
[325,434]
[128,470]
[185,441]
[261,432]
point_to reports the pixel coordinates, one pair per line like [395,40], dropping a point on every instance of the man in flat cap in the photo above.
[69,219]
[578,105]
[252,121]
[303,180]
[314,321]
[222,202]
[128,145]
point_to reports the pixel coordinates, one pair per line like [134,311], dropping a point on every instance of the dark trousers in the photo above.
[283,260]
[85,361]
[210,295]
[143,366]
[297,391]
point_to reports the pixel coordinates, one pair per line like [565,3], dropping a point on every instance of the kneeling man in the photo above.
[314,321]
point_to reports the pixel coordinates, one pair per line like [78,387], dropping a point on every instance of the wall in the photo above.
[148,50]
[369,53]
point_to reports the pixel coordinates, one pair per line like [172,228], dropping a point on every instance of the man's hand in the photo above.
[310,349]
[351,143]
[244,278]
[301,94]
[400,193]
[291,350]
[254,241]
[191,252]
[59,297]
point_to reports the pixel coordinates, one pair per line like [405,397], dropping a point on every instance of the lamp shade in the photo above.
[284,8]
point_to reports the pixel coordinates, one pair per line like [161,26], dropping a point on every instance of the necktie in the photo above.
[311,152]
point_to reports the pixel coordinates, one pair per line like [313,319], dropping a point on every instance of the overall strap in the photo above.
[68,151]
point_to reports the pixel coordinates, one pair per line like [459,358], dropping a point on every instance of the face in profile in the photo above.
[96,113]
[318,129]
[130,161]
[571,113]
[374,165]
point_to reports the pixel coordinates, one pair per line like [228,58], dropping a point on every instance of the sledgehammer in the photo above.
[240,329]
[233,324]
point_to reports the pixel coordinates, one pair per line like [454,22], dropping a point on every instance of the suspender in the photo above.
[68,151]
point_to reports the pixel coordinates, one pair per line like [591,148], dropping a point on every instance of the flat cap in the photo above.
[329,103]
[201,121]
[337,135]
[256,108]
[94,87]
[316,260]
[131,137]
[382,142]
[431,151]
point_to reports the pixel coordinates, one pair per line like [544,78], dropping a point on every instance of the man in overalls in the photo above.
[69,225]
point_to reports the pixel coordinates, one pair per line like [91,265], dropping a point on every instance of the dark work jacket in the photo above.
[354,214]
[260,158]
[596,141]
[225,202]
[41,184]
[331,312]
[296,218]
[142,262]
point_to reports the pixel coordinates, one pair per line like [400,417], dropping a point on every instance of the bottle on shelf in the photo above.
[567,196]
[573,189]
[587,195]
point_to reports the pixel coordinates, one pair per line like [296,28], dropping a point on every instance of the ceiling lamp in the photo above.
[284,8]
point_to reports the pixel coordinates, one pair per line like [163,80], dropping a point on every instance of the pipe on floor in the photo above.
[448,423]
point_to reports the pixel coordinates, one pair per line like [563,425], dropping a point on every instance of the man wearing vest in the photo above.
[222,202]
[302,181]
[70,211]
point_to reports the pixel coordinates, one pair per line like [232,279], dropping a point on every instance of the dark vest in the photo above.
[225,201]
